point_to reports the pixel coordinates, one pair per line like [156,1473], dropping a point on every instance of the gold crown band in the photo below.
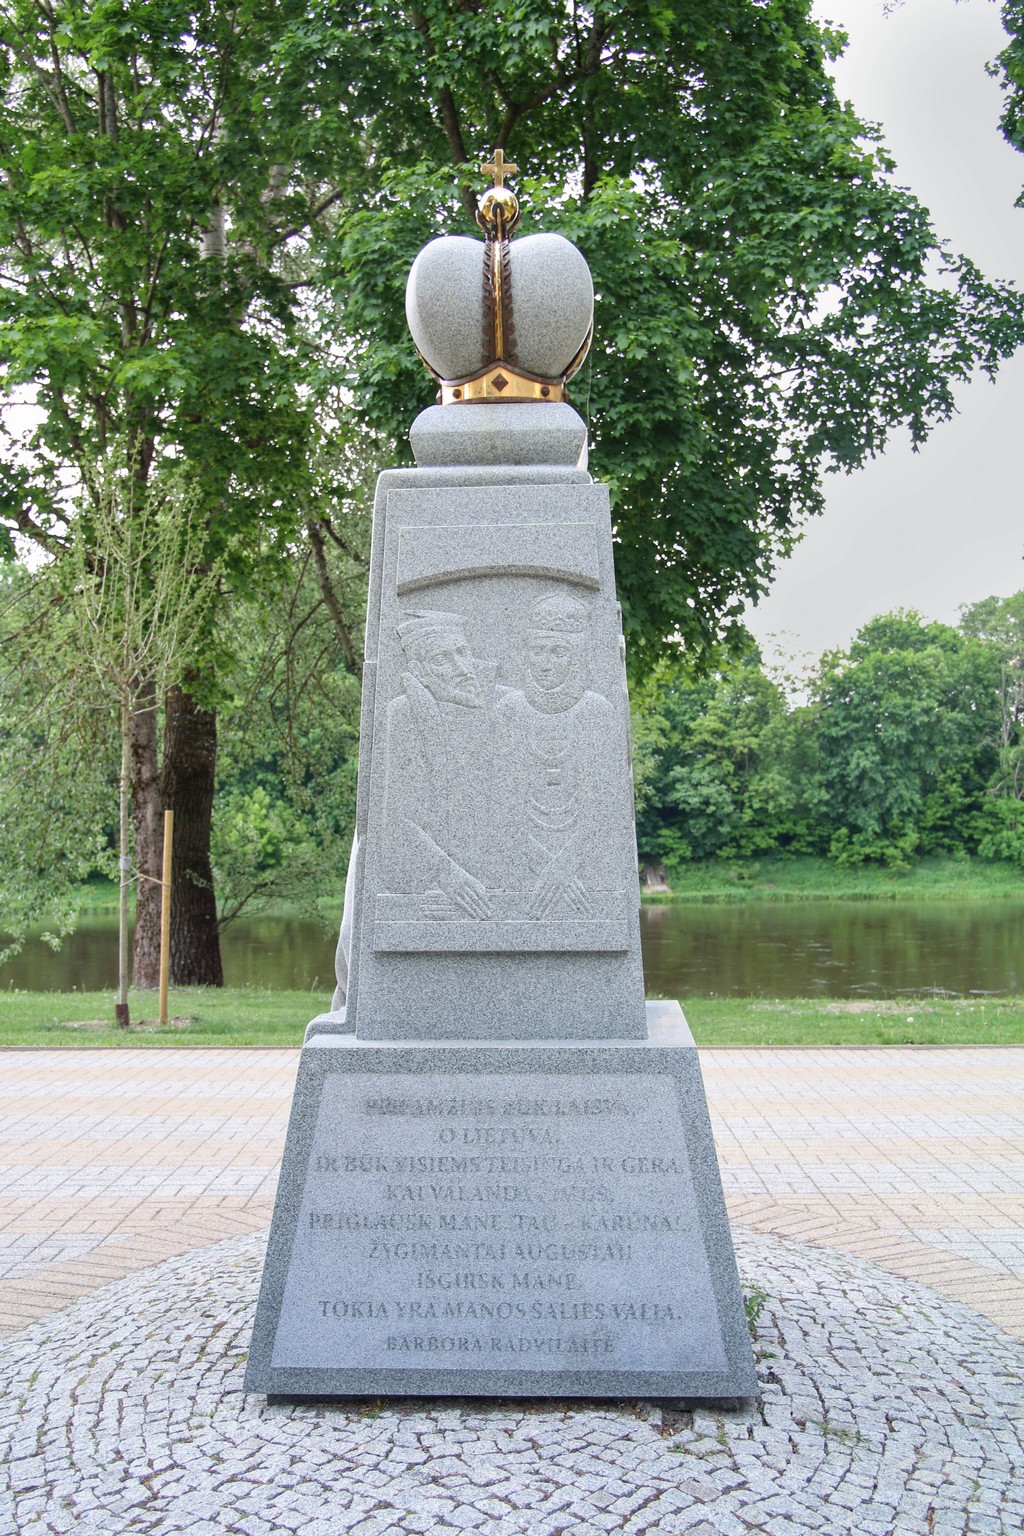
[500,382]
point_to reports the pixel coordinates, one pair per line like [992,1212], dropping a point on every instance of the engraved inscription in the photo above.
[499,1216]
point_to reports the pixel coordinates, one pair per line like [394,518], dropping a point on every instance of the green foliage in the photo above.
[782,878]
[1000,623]
[1009,68]
[999,828]
[769,303]
[162,174]
[125,131]
[911,743]
[729,764]
[58,766]
[254,830]
[207,215]
[135,586]
[753,1305]
[289,722]
[111,625]
[904,725]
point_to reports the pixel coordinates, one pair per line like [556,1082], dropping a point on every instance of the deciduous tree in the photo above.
[771,305]
[154,167]
[905,726]
[999,622]
[207,211]
[729,770]
[58,768]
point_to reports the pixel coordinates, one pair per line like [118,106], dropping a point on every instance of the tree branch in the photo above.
[328,527]
[448,111]
[30,529]
[52,84]
[157,268]
[321,207]
[230,912]
[327,592]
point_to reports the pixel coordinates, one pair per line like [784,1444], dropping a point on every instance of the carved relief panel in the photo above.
[499,805]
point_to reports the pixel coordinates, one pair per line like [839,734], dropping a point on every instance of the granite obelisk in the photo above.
[499,1176]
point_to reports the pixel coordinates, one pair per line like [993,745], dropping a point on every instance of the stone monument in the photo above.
[499,1177]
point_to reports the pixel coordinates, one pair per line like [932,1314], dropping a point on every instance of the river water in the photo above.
[797,949]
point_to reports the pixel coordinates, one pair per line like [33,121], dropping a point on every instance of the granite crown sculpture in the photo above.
[499,1177]
[461,305]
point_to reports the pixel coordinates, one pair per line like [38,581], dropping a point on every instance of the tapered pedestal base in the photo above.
[536,1219]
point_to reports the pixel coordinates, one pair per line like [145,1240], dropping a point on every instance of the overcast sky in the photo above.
[944,526]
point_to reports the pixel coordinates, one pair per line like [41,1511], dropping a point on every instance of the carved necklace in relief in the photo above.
[560,700]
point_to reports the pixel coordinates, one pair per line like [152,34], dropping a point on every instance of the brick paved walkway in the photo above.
[111,1161]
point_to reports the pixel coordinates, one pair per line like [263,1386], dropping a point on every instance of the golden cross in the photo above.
[499,168]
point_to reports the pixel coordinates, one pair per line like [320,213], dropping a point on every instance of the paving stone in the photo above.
[889,1409]
[818,1456]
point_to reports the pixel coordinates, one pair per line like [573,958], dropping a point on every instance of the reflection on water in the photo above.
[799,949]
[833,949]
[284,953]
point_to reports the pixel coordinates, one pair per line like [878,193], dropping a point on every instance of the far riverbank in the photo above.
[777,929]
[799,877]
[803,878]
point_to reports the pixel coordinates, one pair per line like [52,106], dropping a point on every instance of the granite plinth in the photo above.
[495,888]
[522,432]
[501,1220]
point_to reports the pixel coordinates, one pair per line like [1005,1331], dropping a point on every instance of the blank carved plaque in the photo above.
[429,556]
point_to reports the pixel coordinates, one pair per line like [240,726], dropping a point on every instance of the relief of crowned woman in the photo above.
[555,735]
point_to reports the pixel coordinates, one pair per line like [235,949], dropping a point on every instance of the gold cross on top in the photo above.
[499,168]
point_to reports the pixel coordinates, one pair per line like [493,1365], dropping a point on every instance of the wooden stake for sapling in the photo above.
[122,1017]
[165,913]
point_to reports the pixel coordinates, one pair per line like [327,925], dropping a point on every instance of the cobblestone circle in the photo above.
[887,1409]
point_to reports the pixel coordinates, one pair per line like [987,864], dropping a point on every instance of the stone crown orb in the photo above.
[500,319]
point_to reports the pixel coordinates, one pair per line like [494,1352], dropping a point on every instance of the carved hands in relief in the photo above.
[464,889]
[555,893]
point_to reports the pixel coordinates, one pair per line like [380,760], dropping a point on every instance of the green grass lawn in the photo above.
[838,1021]
[252,1017]
[197,1016]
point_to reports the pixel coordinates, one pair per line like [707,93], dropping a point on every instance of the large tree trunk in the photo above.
[190,756]
[148,817]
